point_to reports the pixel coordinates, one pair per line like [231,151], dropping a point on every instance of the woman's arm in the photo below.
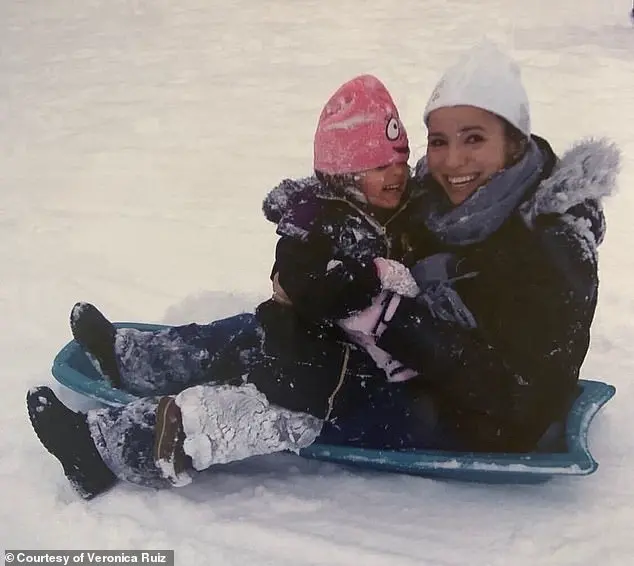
[533,302]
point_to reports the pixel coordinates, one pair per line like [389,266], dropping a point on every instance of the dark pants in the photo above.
[167,361]
[377,414]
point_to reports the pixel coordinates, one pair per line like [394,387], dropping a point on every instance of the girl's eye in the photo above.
[393,129]
[436,142]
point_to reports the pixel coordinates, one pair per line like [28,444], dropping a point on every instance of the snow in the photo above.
[218,425]
[396,277]
[137,141]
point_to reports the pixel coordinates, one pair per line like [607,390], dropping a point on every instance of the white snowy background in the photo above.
[137,140]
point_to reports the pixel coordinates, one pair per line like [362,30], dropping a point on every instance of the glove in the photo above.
[395,277]
[435,268]
[371,321]
[434,275]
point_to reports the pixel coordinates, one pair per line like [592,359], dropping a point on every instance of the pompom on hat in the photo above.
[359,129]
[486,78]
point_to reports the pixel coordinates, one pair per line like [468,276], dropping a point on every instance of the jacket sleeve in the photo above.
[319,285]
[520,364]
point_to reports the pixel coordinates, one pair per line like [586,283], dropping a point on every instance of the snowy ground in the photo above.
[137,139]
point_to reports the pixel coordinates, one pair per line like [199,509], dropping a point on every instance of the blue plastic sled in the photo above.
[73,369]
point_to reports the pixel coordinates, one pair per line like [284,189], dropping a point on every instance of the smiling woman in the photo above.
[467,146]
[509,286]
[478,122]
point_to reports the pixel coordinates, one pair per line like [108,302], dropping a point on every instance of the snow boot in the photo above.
[96,335]
[66,436]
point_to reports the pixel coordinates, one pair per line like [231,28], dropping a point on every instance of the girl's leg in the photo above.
[159,441]
[167,361]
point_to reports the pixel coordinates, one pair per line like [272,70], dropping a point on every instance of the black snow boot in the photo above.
[96,335]
[66,436]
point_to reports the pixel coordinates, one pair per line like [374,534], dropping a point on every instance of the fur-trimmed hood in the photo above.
[342,217]
[571,187]
[586,173]
[288,194]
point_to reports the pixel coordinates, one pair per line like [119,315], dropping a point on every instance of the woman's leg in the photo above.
[393,416]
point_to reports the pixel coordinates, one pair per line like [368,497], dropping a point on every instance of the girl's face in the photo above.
[466,146]
[384,187]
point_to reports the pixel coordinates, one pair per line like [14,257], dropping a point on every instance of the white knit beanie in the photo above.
[486,78]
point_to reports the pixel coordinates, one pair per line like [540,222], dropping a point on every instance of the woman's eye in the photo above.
[435,143]
[393,129]
[474,138]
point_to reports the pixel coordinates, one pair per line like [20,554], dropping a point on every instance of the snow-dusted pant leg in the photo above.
[221,424]
[224,423]
[124,437]
[167,361]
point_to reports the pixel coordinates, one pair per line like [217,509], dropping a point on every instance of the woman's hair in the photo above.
[517,142]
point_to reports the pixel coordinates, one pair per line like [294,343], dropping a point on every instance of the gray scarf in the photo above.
[485,210]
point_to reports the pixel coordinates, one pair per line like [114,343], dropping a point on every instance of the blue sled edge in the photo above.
[72,369]
[534,467]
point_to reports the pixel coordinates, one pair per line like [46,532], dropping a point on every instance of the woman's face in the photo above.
[466,146]
[384,187]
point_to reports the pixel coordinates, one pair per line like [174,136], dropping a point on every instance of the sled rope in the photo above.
[342,376]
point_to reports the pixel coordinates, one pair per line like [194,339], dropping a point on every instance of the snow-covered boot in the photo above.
[66,436]
[96,335]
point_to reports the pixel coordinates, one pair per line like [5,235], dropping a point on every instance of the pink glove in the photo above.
[396,277]
[372,321]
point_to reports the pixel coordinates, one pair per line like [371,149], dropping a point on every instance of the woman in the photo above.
[517,231]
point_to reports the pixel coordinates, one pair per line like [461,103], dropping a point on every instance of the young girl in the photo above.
[270,380]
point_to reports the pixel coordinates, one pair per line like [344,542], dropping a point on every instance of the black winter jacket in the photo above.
[499,386]
[324,260]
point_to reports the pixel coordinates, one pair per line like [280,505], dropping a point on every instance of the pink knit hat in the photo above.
[359,129]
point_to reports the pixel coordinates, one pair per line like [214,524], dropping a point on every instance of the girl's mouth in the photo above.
[395,187]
